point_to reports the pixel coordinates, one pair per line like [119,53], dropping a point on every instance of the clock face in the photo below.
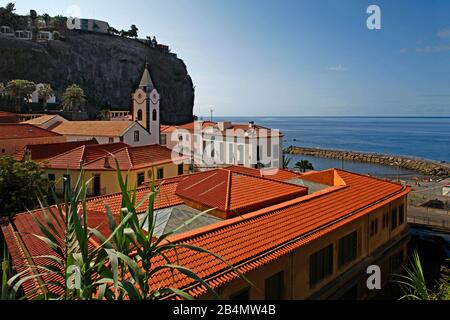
[140,98]
[154,98]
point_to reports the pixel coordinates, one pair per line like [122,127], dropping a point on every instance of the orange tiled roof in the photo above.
[134,158]
[24,131]
[84,154]
[234,130]
[46,151]
[255,239]
[273,174]
[165,198]
[235,193]
[93,128]
[8,117]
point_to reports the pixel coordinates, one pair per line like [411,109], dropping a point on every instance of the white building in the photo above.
[34,98]
[22,35]
[215,144]
[6,31]
[91,25]
[45,36]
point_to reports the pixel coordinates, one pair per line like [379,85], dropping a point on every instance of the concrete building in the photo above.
[295,236]
[91,25]
[212,144]
[23,35]
[14,137]
[34,98]
[6,31]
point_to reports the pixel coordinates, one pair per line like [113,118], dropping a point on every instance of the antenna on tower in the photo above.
[212,111]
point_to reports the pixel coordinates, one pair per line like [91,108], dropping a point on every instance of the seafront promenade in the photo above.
[426,167]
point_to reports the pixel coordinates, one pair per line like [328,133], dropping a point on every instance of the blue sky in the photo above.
[307,58]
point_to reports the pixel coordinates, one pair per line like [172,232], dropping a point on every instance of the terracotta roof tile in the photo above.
[235,193]
[47,151]
[24,131]
[94,128]
[83,154]
[8,117]
[134,158]
[272,174]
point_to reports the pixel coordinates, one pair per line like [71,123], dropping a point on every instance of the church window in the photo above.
[155,115]
[139,115]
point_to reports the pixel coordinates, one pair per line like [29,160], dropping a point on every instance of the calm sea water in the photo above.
[427,138]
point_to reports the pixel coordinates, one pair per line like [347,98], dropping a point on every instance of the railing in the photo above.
[429,221]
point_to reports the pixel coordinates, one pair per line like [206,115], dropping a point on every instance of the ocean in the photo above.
[426,138]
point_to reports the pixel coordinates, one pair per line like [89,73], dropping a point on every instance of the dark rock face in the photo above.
[108,68]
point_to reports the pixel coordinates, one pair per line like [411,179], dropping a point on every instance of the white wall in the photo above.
[35,96]
[144,137]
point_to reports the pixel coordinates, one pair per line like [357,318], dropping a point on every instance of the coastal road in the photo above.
[428,216]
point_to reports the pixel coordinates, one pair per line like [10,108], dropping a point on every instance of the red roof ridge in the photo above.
[368,177]
[228,191]
[67,152]
[261,177]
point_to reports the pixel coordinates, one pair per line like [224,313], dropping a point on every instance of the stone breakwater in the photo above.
[426,167]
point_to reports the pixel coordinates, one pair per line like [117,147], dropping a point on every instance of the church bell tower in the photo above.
[145,101]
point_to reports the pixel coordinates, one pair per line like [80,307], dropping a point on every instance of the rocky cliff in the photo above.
[108,68]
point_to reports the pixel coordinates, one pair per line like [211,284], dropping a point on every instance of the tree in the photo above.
[124,33]
[114,31]
[19,182]
[34,28]
[46,17]
[45,92]
[20,90]
[7,13]
[73,98]
[57,35]
[286,162]
[2,90]
[304,165]
[414,284]
[59,22]
[133,32]
[103,115]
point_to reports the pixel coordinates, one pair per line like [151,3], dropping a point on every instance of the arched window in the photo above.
[139,115]
[155,115]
